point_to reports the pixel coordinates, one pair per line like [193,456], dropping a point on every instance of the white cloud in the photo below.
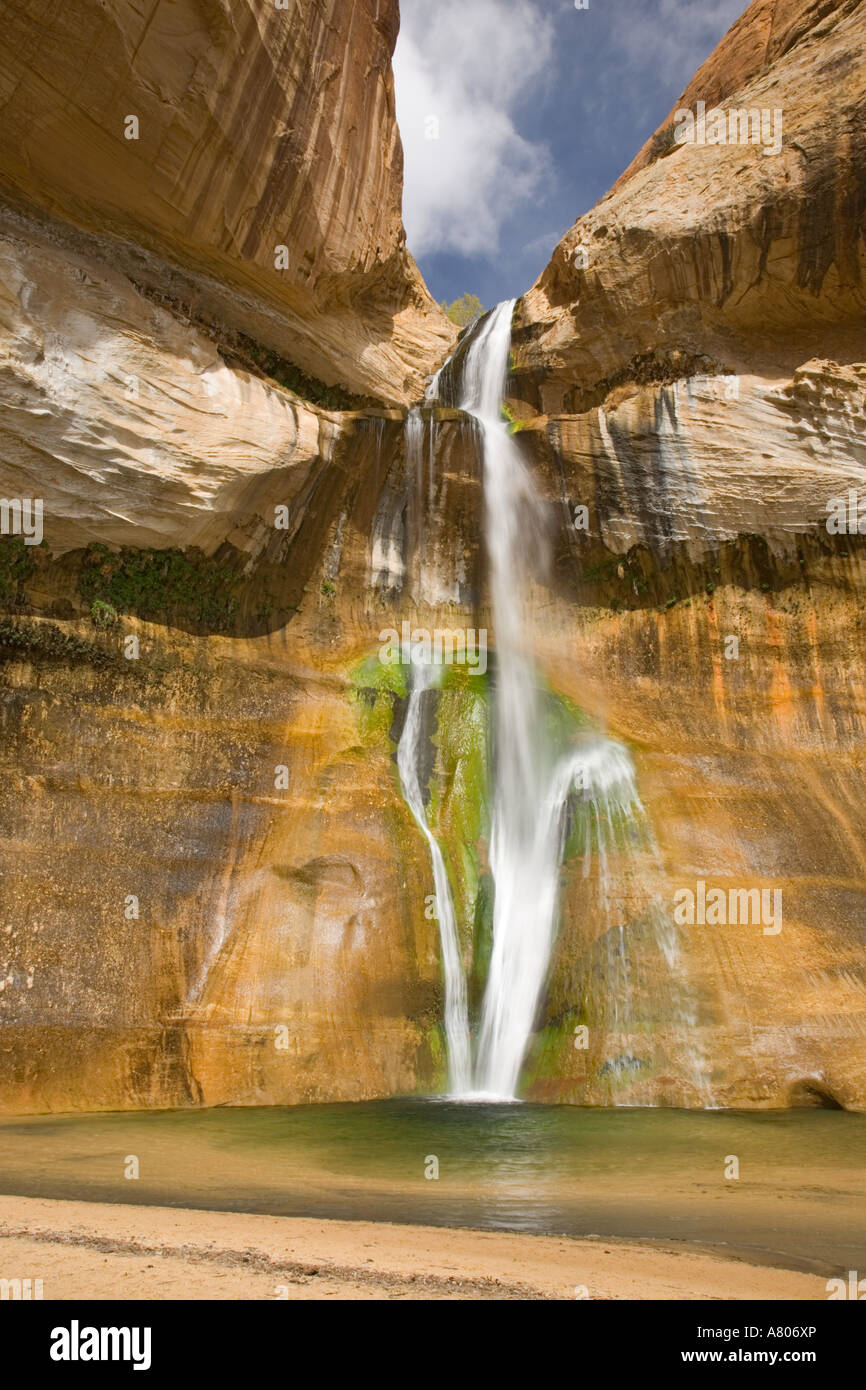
[462,69]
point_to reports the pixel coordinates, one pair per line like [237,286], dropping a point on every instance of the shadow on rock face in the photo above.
[810,1094]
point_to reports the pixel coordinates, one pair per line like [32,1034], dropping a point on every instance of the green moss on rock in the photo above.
[36,640]
[17,563]
[160,585]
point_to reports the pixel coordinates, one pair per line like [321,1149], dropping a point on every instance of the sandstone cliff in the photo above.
[185,144]
[165,388]
[214,890]
[721,257]
[691,370]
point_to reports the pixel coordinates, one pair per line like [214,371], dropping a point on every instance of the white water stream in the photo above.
[456,1012]
[531,783]
[528,797]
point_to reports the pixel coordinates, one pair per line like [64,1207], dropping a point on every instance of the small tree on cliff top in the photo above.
[463,310]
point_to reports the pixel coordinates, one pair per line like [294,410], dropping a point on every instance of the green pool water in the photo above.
[799,1201]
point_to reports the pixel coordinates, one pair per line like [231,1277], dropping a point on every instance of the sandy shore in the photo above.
[92,1250]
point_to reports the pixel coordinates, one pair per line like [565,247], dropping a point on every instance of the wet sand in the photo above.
[91,1250]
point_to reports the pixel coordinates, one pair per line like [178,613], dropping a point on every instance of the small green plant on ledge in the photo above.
[239,349]
[601,570]
[286,374]
[102,614]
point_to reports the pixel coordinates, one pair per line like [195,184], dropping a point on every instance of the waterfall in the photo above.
[615,822]
[408,764]
[415,460]
[533,782]
[529,791]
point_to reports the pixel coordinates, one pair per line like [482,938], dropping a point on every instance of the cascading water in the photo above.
[533,783]
[528,799]
[613,833]
[456,1012]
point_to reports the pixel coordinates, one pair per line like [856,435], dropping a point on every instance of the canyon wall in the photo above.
[691,370]
[213,891]
[191,408]
[185,144]
[720,257]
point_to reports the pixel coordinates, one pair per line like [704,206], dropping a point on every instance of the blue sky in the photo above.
[517,115]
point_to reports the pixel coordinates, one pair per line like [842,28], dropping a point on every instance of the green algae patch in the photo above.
[434,1044]
[549,1049]
[482,943]
[455,788]
[563,719]
[373,674]
[458,810]
[375,688]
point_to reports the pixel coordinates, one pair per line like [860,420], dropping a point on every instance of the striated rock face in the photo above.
[697,463]
[732,667]
[252,128]
[127,422]
[720,257]
[165,390]
[213,890]
[690,370]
